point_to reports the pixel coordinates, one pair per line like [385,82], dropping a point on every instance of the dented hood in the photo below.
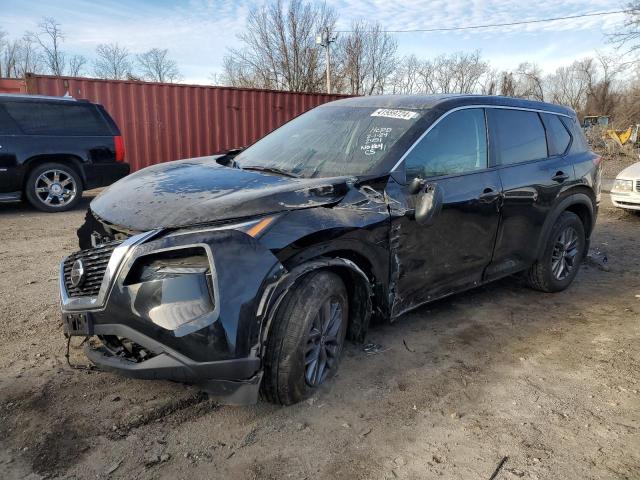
[199,190]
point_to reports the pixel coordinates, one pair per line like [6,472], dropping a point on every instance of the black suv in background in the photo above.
[249,271]
[53,148]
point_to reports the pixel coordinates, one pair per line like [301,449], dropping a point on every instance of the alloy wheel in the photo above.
[565,253]
[323,342]
[55,188]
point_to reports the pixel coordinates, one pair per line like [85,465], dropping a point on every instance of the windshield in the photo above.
[330,141]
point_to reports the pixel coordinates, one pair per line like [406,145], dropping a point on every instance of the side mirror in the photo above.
[429,204]
[416,185]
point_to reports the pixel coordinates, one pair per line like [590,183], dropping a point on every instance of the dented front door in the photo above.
[451,253]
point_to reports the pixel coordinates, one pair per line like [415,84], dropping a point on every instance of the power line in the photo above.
[509,24]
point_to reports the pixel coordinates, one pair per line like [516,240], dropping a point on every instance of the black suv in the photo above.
[53,148]
[249,270]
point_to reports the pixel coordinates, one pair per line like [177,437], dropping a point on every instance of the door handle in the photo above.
[560,177]
[489,194]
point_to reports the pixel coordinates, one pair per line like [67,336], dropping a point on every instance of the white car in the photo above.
[626,188]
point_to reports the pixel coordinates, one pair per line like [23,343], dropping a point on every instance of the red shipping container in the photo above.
[168,121]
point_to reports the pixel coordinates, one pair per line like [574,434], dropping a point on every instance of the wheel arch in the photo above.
[70,160]
[357,281]
[580,202]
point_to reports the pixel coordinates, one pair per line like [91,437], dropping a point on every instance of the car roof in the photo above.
[447,102]
[35,98]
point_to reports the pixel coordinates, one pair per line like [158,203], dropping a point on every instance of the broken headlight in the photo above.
[173,288]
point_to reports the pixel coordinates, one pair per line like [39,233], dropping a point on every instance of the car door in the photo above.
[10,171]
[533,170]
[449,254]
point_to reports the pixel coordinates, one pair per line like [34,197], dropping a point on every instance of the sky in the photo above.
[198,33]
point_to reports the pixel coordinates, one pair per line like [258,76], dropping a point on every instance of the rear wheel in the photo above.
[562,256]
[306,338]
[53,187]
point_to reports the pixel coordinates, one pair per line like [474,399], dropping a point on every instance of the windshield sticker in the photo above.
[390,113]
[374,142]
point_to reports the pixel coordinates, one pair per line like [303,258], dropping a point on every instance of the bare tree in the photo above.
[9,52]
[600,74]
[406,78]
[29,56]
[489,82]
[156,66]
[529,82]
[18,57]
[568,86]
[113,62]
[369,58]
[76,65]
[3,45]
[628,37]
[279,49]
[507,84]
[50,39]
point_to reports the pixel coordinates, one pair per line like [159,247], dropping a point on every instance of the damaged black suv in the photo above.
[246,272]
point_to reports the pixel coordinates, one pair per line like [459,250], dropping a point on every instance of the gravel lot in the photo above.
[549,381]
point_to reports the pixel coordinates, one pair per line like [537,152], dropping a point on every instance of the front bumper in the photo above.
[219,350]
[629,201]
[220,379]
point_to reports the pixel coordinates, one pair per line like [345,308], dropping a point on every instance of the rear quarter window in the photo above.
[559,138]
[64,119]
[579,144]
[518,135]
[8,126]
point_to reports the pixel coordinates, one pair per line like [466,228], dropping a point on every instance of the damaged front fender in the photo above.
[358,286]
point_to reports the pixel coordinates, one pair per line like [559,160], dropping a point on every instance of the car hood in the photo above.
[199,190]
[631,172]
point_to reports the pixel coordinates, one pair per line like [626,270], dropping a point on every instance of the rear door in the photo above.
[534,170]
[451,253]
[10,139]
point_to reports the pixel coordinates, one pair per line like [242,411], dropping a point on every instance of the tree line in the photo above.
[43,52]
[278,50]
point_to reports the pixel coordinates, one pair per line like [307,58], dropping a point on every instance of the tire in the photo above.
[295,338]
[55,196]
[558,266]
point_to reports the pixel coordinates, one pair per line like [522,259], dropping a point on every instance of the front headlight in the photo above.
[623,185]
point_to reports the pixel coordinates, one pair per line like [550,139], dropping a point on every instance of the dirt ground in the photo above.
[549,381]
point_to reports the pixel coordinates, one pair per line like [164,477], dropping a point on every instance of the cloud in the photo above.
[198,32]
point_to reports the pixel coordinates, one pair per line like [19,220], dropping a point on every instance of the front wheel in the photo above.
[562,256]
[53,187]
[306,338]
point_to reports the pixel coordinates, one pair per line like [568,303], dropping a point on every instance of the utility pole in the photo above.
[325,39]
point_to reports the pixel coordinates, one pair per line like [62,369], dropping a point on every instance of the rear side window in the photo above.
[35,118]
[457,144]
[8,125]
[579,144]
[557,134]
[519,135]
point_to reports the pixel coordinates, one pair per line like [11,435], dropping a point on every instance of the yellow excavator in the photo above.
[599,124]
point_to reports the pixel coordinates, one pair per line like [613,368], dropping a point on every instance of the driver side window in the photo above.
[457,144]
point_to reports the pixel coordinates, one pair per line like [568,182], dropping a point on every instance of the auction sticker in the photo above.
[391,113]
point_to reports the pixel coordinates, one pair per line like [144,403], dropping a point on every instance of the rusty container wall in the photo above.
[162,122]
[12,85]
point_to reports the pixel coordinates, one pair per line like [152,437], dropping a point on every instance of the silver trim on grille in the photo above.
[115,262]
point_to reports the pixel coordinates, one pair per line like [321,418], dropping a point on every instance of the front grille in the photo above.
[637,185]
[95,262]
